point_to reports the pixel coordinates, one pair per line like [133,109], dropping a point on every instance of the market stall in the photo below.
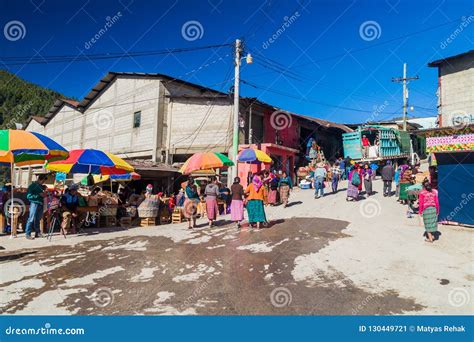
[98,207]
[20,148]
[452,152]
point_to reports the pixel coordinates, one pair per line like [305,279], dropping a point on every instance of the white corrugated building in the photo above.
[140,116]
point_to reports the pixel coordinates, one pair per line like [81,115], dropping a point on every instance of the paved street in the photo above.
[321,257]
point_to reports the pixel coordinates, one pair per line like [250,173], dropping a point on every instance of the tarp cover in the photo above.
[456,186]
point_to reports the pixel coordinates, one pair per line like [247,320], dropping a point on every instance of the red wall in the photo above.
[244,168]
[288,135]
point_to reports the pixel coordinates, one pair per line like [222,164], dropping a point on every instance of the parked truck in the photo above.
[384,143]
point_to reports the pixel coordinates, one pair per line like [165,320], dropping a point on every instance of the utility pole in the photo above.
[235,137]
[404,80]
[250,124]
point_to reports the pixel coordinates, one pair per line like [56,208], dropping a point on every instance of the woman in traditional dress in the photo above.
[212,192]
[255,207]
[429,209]
[354,184]
[272,189]
[367,175]
[405,181]
[237,204]
[191,203]
[285,185]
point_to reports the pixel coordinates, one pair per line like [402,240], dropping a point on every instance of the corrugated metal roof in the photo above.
[150,165]
[450,58]
[112,75]
[325,123]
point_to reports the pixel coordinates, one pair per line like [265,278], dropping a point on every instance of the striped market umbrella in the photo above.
[252,155]
[28,148]
[18,147]
[204,161]
[91,161]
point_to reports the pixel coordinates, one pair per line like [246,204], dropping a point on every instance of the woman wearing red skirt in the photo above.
[212,192]
[237,205]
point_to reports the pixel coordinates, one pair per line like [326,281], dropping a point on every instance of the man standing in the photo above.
[365,146]
[387,178]
[36,196]
[347,165]
[335,176]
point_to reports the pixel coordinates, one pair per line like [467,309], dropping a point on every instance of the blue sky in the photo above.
[335,69]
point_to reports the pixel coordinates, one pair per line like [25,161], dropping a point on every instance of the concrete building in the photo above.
[455,89]
[163,120]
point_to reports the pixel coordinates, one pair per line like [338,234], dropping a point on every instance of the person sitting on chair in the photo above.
[70,202]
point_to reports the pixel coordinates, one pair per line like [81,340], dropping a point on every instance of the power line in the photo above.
[306,80]
[11,61]
[309,100]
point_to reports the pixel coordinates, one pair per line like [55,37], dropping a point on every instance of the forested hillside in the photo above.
[19,99]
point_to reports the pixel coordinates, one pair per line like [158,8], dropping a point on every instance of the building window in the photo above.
[137,118]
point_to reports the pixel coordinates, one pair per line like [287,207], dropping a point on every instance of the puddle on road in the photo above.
[216,271]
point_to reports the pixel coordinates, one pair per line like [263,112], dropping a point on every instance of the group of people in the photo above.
[403,176]
[263,189]
[366,147]
[357,174]
[360,175]
[40,198]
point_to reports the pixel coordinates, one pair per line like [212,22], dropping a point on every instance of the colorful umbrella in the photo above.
[126,177]
[18,147]
[28,148]
[91,161]
[252,155]
[97,179]
[205,160]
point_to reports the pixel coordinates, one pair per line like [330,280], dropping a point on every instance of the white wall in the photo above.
[198,126]
[457,91]
[34,126]
[109,120]
[62,128]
